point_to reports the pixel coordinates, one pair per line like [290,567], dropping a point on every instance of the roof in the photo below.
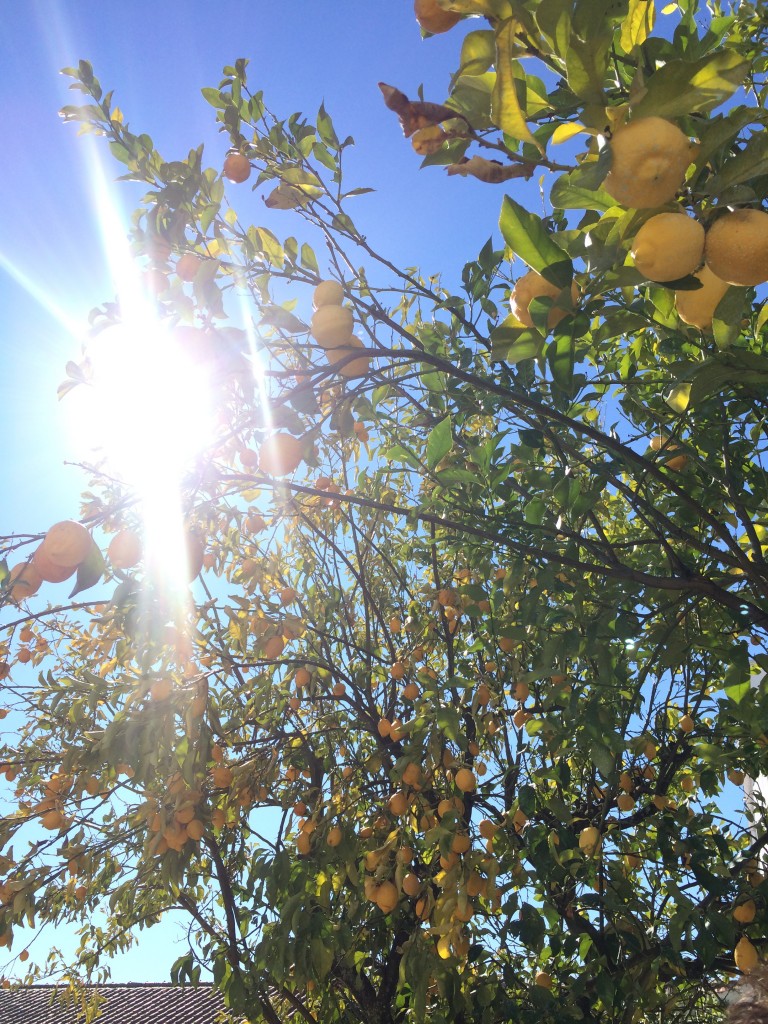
[123,1004]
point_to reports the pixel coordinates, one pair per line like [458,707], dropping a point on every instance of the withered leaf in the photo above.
[490,170]
[415,114]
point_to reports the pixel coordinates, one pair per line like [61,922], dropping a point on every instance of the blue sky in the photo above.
[157,57]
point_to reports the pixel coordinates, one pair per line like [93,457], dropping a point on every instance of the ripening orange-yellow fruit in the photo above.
[327,293]
[625,802]
[461,843]
[465,780]
[668,246]
[533,286]
[649,158]
[303,843]
[398,803]
[736,247]
[590,841]
[696,307]
[237,167]
[543,979]
[195,830]
[410,691]
[332,326]
[48,571]
[334,837]
[347,367]
[487,828]
[432,18]
[521,691]
[411,884]
[161,689]
[687,724]
[124,549]
[745,912]
[222,776]
[386,897]
[280,454]
[52,819]
[24,580]
[745,955]
[67,544]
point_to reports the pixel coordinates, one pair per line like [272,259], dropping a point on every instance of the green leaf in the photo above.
[513,344]
[570,192]
[529,239]
[638,24]
[554,20]
[478,52]
[535,511]
[561,357]
[447,719]
[679,397]
[751,162]
[308,258]
[506,111]
[325,128]
[439,442]
[684,87]
[89,572]
[726,320]
[276,316]
[586,63]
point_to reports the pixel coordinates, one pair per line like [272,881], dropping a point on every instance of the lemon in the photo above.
[332,326]
[590,841]
[668,246]
[745,912]
[432,18]
[649,159]
[697,307]
[327,293]
[736,247]
[745,955]
[533,286]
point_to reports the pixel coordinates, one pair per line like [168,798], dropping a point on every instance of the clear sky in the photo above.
[157,56]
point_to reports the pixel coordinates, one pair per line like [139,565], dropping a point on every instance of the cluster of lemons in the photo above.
[650,157]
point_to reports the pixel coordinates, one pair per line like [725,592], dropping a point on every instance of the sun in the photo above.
[147,414]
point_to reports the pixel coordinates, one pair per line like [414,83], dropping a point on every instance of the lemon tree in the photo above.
[452,721]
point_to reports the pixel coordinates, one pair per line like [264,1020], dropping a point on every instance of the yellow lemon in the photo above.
[745,955]
[590,841]
[327,293]
[697,307]
[533,286]
[432,18]
[649,159]
[668,246]
[736,247]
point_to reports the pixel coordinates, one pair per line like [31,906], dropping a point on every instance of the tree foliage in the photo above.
[458,707]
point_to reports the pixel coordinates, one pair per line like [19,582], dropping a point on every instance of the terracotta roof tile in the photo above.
[124,1004]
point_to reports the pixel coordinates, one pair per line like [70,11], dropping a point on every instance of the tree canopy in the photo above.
[448,717]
